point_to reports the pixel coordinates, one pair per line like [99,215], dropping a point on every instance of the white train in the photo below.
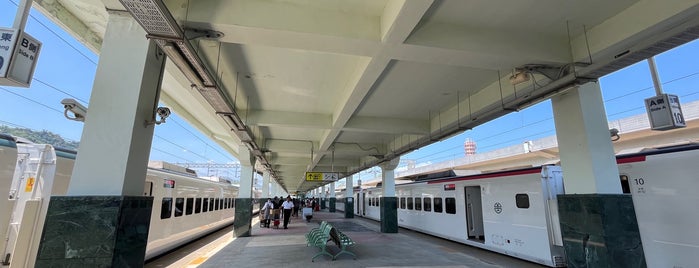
[184,207]
[515,212]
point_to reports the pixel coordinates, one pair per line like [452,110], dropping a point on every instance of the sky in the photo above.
[66,69]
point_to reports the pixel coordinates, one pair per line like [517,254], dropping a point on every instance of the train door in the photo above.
[364,201]
[474,213]
[148,189]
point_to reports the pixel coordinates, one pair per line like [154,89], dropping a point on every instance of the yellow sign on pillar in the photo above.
[30,185]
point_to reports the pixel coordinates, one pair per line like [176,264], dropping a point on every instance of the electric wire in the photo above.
[80,99]
[28,99]
[57,35]
[449,150]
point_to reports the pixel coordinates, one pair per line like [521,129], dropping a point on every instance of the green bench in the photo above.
[343,242]
[319,237]
[314,233]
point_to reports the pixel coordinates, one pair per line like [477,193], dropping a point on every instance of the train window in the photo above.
[410,203]
[225,203]
[189,206]
[205,206]
[372,201]
[522,200]
[378,201]
[197,205]
[233,202]
[220,203]
[418,203]
[216,204]
[438,204]
[428,203]
[166,208]
[450,203]
[402,202]
[211,204]
[179,206]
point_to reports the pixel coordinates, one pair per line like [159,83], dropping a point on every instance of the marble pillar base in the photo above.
[332,204]
[349,207]
[600,230]
[389,214]
[243,217]
[95,231]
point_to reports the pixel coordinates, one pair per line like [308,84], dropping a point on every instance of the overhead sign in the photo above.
[664,112]
[322,176]
[19,53]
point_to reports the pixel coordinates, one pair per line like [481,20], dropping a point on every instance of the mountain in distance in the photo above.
[40,137]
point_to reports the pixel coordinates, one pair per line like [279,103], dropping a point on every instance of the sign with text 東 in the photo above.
[19,53]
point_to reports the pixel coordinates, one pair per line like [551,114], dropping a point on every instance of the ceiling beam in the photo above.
[410,14]
[288,119]
[387,125]
[57,13]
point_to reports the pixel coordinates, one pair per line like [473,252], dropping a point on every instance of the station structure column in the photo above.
[349,197]
[242,224]
[265,187]
[323,197]
[105,197]
[594,214]
[332,197]
[389,201]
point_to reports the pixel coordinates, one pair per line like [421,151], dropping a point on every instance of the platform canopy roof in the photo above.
[344,85]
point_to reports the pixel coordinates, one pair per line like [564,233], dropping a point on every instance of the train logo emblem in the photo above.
[498,208]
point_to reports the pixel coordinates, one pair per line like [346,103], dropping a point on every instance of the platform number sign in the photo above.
[497,207]
[19,53]
[664,112]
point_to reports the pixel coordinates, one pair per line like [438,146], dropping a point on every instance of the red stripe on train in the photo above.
[639,158]
[490,175]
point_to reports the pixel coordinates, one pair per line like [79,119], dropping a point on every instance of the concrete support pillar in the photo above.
[587,154]
[594,214]
[332,198]
[389,201]
[323,197]
[265,185]
[242,224]
[349,197]
[106,189]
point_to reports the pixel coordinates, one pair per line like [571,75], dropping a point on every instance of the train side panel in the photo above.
[185,208]
[510,214]
[8,160]
[664,191]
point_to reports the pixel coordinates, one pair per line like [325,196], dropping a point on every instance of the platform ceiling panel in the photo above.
[372,80]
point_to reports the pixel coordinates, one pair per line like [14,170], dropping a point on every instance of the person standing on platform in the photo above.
[297,204]
[267,208]
[287,206]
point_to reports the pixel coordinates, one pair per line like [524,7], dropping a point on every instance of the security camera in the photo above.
[614,133]
[79,111]
[163,112]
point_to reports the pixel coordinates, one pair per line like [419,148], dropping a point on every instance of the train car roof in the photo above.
[660,150]
[7,140]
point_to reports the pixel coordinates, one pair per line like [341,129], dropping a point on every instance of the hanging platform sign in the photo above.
[664,112]
[19,53]
[322,176]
